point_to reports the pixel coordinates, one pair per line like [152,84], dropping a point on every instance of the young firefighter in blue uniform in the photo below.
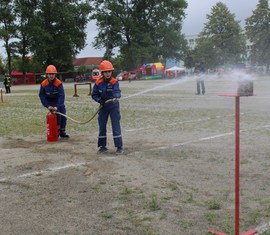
[107,89]
[52,96]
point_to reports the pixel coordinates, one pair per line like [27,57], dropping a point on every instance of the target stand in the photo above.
[237,166]
[1,95]
[78,84]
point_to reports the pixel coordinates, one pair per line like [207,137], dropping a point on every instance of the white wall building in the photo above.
[193,39]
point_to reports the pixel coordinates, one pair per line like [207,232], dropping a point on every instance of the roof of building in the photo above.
[87,61]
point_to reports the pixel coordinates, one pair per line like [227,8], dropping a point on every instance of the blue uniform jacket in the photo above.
[52,93]
[106,89]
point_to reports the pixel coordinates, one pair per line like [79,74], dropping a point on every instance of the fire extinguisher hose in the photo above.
[79,122]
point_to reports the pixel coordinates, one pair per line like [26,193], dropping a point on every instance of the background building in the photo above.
[193,39]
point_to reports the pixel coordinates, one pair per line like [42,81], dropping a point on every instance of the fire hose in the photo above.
[80,122]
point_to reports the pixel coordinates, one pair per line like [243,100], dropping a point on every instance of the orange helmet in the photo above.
[51,69]
[106,65]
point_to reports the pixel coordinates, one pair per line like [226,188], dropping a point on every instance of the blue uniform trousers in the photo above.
[110,109]
[61,120]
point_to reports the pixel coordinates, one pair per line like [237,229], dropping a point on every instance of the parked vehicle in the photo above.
[122,76]
[17,78]
[96,74]
[132,75]
[127,76]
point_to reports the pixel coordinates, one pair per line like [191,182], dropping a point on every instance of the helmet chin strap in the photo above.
[107,79]
[51,80]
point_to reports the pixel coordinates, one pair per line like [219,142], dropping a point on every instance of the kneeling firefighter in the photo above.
[106,91]
[52,96]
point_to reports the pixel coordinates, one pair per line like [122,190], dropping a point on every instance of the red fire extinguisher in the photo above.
[52,127]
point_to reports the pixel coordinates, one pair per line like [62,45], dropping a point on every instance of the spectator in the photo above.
[7,83]
[198,71]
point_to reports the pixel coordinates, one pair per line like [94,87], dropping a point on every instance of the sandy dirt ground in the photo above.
[176,176]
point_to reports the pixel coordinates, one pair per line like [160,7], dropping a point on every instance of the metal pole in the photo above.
[237,163]
[237,171]
[75,90]
[1,94]
[90,89]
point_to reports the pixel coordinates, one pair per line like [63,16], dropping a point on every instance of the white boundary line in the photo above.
[260,229]
[43,172]
[179,123]
[185,143]
[200,140]
[58,168]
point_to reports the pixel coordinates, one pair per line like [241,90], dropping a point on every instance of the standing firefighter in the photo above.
[106,92]
[7,83]
[52,96]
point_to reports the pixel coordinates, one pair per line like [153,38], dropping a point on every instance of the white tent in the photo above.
[176,69]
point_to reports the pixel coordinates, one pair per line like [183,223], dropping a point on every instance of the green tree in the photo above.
[143,31]
[24,11]
[7,28]
[2,65]
[58,31]
[221,41]
[258,32]
[189,58]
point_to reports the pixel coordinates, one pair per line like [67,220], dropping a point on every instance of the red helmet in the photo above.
[106,65]
[51,69]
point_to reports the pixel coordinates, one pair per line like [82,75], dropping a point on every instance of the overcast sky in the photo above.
[197,10]
[193,23]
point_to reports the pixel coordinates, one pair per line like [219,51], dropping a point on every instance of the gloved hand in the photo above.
[52,109]
[102,102]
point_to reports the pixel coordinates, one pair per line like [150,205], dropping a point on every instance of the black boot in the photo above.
[63,134]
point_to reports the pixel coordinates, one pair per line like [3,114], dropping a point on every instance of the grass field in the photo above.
[177,174]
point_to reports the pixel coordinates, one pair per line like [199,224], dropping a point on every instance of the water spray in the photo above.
[245,88]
